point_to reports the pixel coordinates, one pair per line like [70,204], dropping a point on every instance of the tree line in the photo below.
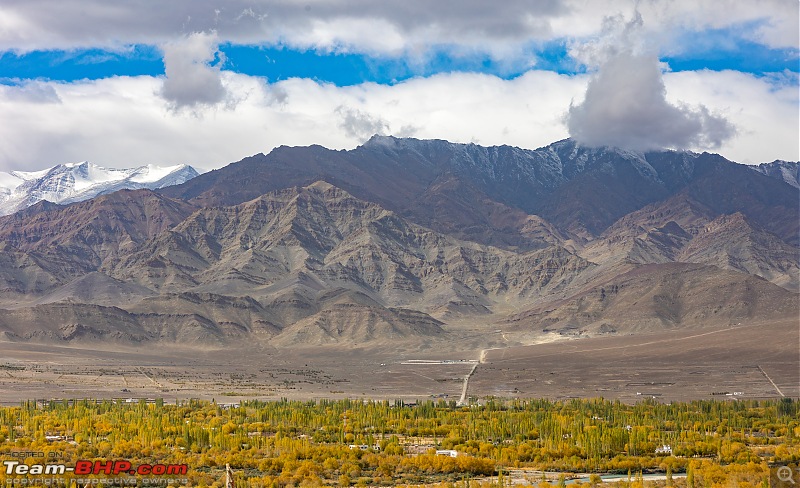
[315,443]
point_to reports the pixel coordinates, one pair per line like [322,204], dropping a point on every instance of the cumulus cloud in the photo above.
[769,22]
[408,130]
[32,92]
[190,79]
[626,100]
[277,95]
[122,121]
[617,35]
[107,120]
[763,109]
[360,125]
[626,106]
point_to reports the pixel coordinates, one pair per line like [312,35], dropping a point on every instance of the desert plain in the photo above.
[751,360]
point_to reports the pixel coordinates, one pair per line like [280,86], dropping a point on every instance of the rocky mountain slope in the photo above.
[478,192]
[410,241]
[656,297]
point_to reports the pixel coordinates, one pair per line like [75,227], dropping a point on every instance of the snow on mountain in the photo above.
[547,167]
[788,171]
[74,182]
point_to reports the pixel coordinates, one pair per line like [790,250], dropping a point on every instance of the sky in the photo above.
[209,82]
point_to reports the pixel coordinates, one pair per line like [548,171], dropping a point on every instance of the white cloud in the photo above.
[375,27]
[771,22]
[360,125]
[32,91]
[361,25]
[124,121]
[190,79]
[626,101]
[626,106]
[763,110]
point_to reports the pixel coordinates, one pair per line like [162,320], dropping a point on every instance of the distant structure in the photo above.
[364,447]
[665,449]
[447,452]
[56,438]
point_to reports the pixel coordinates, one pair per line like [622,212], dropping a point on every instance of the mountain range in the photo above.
[75,182]
[410,240]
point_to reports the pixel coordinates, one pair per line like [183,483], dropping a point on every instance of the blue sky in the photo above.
[207,82]
[715,50]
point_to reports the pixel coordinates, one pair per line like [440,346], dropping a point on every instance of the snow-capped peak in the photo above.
[74,182]
[788,171]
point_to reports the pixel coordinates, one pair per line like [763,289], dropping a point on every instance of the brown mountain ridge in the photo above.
[407,241]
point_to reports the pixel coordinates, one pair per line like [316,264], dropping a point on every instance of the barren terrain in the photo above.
[412,269]
[759,360]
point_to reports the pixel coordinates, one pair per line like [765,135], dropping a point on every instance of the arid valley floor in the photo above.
[758,360]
